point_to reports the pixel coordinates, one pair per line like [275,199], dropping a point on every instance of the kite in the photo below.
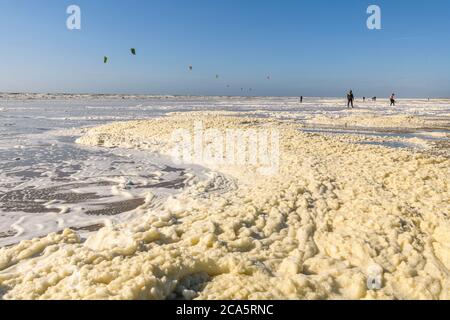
[133,51]
[217,76]
[190,68]
[105,59]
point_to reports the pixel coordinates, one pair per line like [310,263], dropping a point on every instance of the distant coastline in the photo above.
[84,95]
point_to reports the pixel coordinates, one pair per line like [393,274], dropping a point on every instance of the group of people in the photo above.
[374,99]
[351,99]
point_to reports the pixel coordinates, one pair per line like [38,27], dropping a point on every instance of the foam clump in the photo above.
[333,216]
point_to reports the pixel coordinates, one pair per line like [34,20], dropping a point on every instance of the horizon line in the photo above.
[203,95]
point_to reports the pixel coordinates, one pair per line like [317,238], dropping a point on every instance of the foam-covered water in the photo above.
[48,183]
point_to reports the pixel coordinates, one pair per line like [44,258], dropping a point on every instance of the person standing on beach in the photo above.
[392,100]
[301,99]
[350,99]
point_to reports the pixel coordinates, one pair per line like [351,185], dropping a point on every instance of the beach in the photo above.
[349,204]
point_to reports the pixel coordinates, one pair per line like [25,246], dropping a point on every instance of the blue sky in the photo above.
[311,48]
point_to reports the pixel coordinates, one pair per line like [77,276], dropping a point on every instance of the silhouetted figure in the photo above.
[350,99]
[374,99]
[301,99]
[392,98]
[364,99]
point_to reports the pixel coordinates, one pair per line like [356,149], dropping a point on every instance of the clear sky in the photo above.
[308,47]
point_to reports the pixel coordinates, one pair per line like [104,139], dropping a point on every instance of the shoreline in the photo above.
[118,96]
